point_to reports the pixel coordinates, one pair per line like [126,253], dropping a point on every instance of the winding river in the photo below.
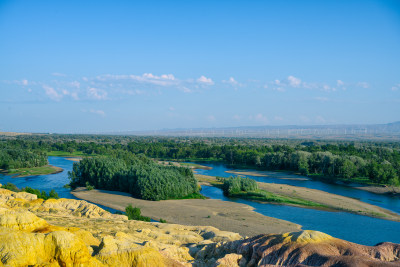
[351,227]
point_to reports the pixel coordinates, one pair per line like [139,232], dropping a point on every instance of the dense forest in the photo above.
[137,175]
[366,161]
[14,155]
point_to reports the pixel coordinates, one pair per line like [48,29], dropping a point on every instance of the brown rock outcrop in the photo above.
[313,248]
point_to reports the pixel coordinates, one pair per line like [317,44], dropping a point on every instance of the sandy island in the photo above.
[224,215]
[333,201]
[287,176]
[277,175]
[76,159]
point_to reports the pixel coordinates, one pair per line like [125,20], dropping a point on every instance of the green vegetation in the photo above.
[137,175]
[38,193]
[371,162]
[15,157]
[248,189]
[65,154]
[89,187]
[134,213]
[163,221]
[34,171]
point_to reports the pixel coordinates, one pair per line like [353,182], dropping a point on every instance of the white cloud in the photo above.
[278,118]
[163,80]
[231,81]
[339,83]
[205,80]
[98,112]
[74,95]
[186,90]
[57,74]
[97,93]
[396,87]
[237,117]
[50,92]
[261,118]
[24,82]
[171,108]
[320,119]
[293,81]
[304,118]
[75,84]
[211,118]
[321,98]
[363,85]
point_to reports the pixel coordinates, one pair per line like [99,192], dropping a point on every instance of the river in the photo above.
[351,227]
[384,201]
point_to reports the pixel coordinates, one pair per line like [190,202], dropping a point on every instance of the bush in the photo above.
[41,194]
[89,187]
[134,213]
[11,187]
[163,221]
[235,185]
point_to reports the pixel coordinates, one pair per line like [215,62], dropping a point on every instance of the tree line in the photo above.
[377,162]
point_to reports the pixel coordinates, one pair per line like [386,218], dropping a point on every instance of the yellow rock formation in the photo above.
[67,232]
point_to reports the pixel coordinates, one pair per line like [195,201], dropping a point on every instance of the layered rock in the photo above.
[313,248]
[66,232]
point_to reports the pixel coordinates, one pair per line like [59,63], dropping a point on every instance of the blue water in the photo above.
[50,181]
[355,228]
[385,201]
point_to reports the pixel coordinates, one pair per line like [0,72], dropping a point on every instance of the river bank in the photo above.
[224,215]
[332,201]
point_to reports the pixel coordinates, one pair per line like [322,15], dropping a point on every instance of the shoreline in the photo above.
[333,202]
[224,215]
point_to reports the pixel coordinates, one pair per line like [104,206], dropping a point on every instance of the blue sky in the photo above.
[99,66]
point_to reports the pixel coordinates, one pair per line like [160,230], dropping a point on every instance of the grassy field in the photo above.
[264,196]
[65,154]
[48,169]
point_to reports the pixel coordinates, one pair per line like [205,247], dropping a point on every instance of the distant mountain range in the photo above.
[351,131]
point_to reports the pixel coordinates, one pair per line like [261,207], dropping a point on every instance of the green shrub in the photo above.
[88,186]
[163,221]
[134,213]
[235,185]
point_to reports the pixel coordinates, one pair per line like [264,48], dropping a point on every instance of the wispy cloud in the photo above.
[57,74]
[260,118]
[231,81]
[321,98]
[95,111]
[293,81]
[52,93]
[97,94]
[205,80]
[363,85]
[395,87]
[211,118]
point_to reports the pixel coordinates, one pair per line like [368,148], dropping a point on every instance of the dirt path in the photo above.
[224,215]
